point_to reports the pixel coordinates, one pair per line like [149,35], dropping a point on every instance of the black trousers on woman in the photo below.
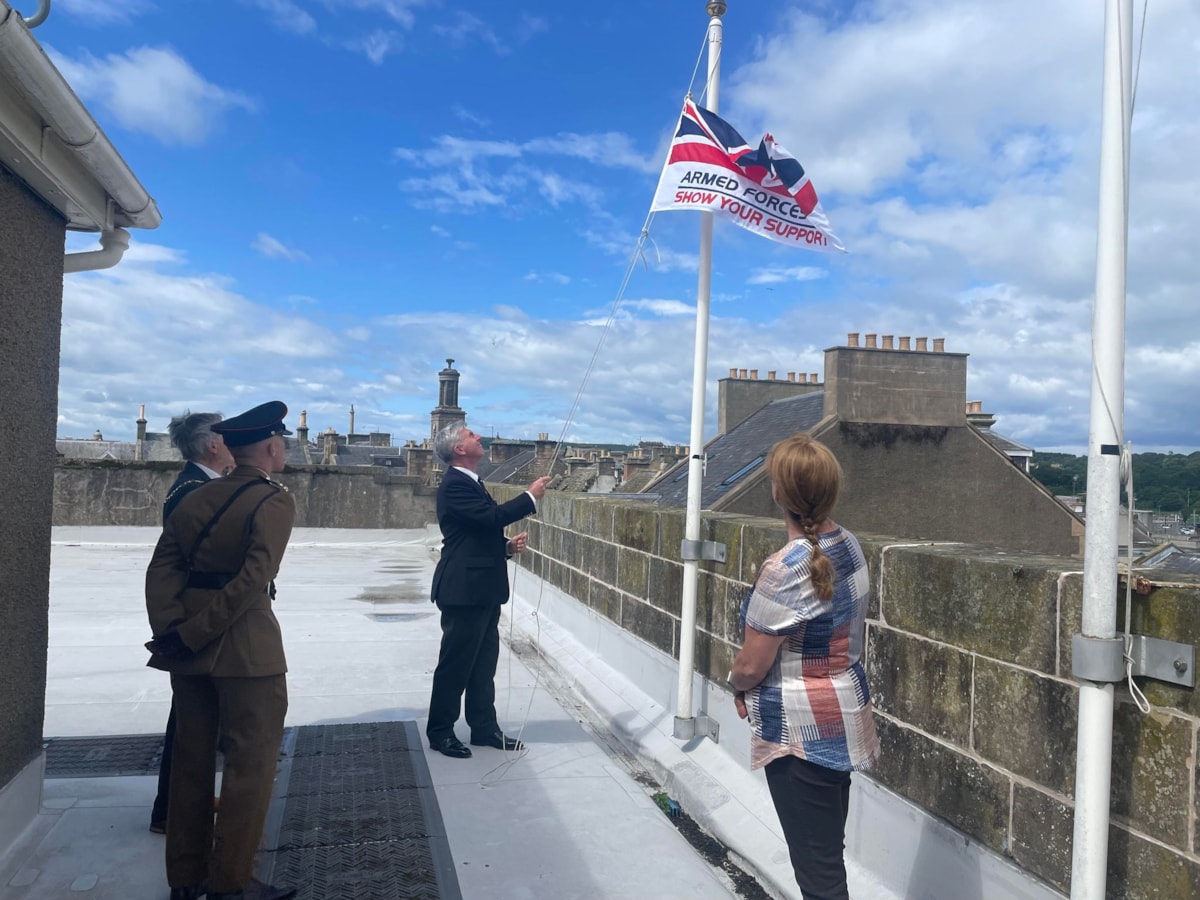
[812,803]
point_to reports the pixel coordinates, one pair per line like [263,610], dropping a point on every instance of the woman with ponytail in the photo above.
[799,677]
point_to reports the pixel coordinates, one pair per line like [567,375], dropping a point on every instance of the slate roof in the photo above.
[155,446]
[1005,445]
[501,472]
[738,449]
[347,454]
[1171,558]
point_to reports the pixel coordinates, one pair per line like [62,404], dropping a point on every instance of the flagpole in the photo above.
[1097,653]
[685,723]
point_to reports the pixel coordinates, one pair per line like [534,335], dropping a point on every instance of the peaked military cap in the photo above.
[253,425]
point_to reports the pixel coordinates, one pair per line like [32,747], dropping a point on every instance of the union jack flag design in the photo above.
[764,189]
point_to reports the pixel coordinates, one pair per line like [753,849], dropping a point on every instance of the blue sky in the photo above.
[353,191]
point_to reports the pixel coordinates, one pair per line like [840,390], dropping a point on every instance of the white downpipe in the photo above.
[691,531]
[113,245]
[1093,766]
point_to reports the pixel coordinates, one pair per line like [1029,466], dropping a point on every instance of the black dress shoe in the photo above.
[190,892]
[497,739]
[451,746]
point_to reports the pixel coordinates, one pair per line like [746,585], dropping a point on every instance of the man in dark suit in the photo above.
[207,458]
[470,585]
[209,595]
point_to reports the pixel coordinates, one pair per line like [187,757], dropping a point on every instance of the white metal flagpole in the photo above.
[685,724]
[1097,653]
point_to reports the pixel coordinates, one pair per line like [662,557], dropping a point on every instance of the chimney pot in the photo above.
[870,342]
[754,374]
[922,345]
[852,339]
[812,378]
[887,342]
[733,373]
[142,411]
[939,345]
[743,374]
[304,418]
[791,376]
[905,343]
[771,374]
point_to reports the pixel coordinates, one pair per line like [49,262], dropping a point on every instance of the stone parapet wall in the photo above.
[105,492]
[969,661]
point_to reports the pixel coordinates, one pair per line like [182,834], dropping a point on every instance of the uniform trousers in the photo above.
[466,664]
[248,715]
[812,802]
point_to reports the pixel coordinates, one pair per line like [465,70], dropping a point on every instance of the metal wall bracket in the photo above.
[1101,660]
[1165,660]
[700,725]
[701,550]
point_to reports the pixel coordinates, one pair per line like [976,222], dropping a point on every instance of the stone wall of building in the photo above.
[106,492]
[969,660]
[31,268]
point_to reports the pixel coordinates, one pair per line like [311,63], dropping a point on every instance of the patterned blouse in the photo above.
[814,702]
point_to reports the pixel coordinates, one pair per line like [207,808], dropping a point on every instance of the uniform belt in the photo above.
[208,581]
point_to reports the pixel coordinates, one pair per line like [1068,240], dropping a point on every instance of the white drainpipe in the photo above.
[113,245]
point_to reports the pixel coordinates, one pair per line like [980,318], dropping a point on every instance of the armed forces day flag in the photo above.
[764,190]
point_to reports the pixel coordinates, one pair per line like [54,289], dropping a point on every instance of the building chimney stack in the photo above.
[812,378]
[852,339]
[905,343]
[922,345]
[939,345]
[887,342]
[302,428]
[871,342]
[733,373]
[771,374]
[742,373]
[754,374]
[791,376]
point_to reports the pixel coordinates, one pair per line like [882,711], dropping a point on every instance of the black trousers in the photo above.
[466,665]
[812,803]
[158,813]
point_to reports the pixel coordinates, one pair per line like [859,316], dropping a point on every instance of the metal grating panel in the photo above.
[358,817]
[97,757]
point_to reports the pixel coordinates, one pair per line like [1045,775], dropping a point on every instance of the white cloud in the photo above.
[153,90]
[466,115]
[439,231]
[553,277]
[102,11]
[273,248]
[778,275]
[398,11]
[467,26]
[287,15]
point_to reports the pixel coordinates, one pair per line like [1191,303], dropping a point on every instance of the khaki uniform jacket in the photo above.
[232,629]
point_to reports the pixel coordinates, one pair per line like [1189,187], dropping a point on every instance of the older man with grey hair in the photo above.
[206,457]
[470,584]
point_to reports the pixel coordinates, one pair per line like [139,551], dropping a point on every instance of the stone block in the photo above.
[556,508]
[873,551]
[1042,835]
[671,525]
[635,525]
[712,607]
[714,657]
[1026,723]
[1003,608]
[593,516]
[971,796]
[569,547]
[758,542]
[652,625]
[1070,616]
[606,601]
[666,585]
[1140,869]
[599,559]
[1151,770]
[633,572]
[922,683]
[579,585]
[727,530]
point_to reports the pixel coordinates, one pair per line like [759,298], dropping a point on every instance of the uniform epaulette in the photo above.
[280,485]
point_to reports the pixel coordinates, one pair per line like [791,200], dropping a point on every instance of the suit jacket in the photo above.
[472,569]
[231,629]
[188,480]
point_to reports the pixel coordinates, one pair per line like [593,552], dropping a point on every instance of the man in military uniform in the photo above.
[206,457]
[209,590]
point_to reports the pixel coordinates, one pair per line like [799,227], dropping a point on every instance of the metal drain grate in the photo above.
[98,757]
[359,819]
